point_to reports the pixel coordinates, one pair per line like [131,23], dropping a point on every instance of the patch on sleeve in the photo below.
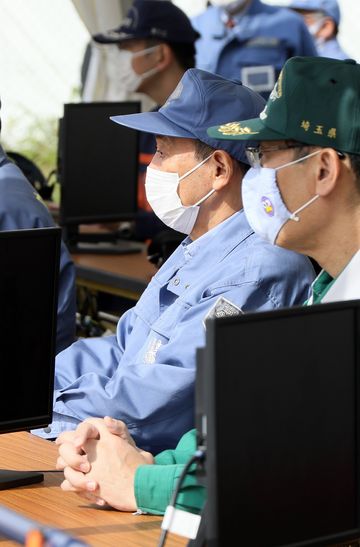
[222,308]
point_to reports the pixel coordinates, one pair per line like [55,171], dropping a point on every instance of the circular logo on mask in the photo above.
[268,206]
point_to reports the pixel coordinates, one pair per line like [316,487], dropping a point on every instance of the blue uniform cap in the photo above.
[159,19]
[200,100]
[329,7]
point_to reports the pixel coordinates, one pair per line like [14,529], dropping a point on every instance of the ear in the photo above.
[222,169]
[163,56]
[328,168]
[327,29]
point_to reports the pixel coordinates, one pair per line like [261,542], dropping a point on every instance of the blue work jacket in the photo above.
[145,373]
[263,36]
[22,208]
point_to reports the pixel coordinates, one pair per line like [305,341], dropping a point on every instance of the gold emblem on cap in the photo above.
[234,128]
[305,124]
[319,130]
[332,133]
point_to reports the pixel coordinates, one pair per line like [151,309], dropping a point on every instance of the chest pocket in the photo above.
[148,309]
[260,51]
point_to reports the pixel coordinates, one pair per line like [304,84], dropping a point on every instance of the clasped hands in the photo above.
[99,459]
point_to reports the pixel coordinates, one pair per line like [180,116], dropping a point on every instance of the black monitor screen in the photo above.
[28,297]
[282,399]
[98,163]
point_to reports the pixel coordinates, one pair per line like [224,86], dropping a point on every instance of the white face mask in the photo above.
[161,192]
[120,69]
[263,205]
[315,27]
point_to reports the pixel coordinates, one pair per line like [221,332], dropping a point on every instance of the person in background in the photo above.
[322,18]
[21,207]
[149,53]
[249,41]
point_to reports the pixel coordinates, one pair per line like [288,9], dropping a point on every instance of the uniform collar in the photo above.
[210,248]
[231,231]
[320,286]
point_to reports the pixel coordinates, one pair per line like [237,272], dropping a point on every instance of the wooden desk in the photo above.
[48,504]
[122,275]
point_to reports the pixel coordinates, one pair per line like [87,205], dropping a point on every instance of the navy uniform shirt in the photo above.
[22,208]
[252,46]
[144,375]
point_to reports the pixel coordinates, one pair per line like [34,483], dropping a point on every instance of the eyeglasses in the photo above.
[255,153]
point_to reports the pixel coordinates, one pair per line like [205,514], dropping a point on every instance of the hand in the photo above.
[99,460]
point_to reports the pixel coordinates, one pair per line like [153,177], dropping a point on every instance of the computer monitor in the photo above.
[98,172]
[282,405]
[28,296]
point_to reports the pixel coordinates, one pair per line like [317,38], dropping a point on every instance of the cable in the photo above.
[198,456]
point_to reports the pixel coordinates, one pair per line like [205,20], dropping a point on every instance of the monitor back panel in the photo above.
[98,163]
[28,297]
[282,405]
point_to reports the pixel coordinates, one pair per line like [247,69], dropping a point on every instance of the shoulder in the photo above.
[265,257]
[20,205]
[211,14]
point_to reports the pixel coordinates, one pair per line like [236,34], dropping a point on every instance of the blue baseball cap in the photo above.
[329,7]
[159,19]
[201,99]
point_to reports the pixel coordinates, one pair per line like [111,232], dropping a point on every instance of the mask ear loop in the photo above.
[194,168]
[189,173]
[294,216]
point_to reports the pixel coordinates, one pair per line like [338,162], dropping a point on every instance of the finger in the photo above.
[79,481]
[119,428]
[85,431]
[92,498]
[60,464]
[65,437]
[70,456]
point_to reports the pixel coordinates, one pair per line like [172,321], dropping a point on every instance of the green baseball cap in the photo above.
[316,101]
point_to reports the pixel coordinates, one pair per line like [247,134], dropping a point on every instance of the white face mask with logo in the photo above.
[120,69]
[161,192]
[263,205]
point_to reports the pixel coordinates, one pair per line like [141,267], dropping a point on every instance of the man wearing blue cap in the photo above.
[149,53]
[249,41]
[145,374]
[322,18]
[21,207]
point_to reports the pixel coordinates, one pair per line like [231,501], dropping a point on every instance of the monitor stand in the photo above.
[13,479]
[98,243]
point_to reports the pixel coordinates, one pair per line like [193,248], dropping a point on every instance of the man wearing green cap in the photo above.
[303,191]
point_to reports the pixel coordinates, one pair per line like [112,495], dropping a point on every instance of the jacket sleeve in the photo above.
[151,385]
[154,484]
